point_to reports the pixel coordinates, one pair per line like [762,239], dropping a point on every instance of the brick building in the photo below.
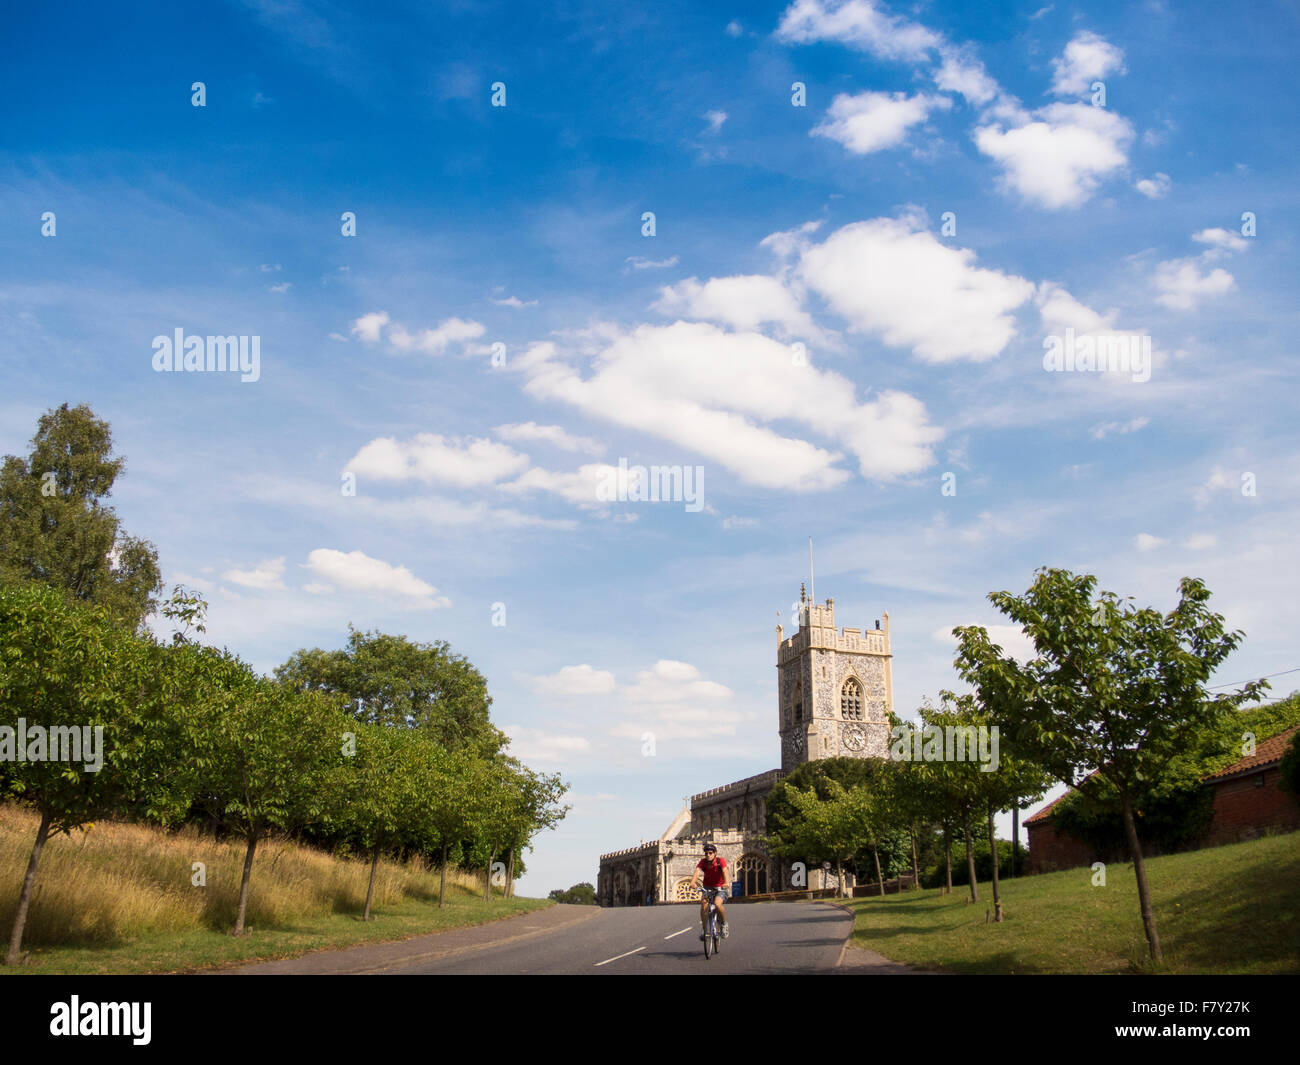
[1248,802]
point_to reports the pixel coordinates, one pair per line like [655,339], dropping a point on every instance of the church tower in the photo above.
[835,688]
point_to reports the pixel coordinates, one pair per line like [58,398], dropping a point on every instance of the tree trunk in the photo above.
[243,884]
[25,895]
[993,848]
[839,873]
[947,859]
[1140,869]
[510,874]
[1015,837]
[916,872]
[879,879]
[370,888]
[487,880]
[442,885]
[970,858]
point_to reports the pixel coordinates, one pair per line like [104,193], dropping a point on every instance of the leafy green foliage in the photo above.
[390,680]
[583,894]
[58,530]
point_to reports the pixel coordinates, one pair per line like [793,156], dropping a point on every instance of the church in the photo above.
[835,694]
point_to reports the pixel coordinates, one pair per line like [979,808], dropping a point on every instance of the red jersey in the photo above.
[714,871]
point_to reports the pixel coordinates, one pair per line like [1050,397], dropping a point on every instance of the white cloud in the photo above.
[1147,542]
[1105,429]
[734,29]
[1011,638]
[874,121]
[537,746]
[1088,58]
[857,23]
[431,458]
[744,302]
[265,576]
[1223,239]
[1181,284]
[962,72]
[359,572]
[739,523]
[1218,481]
[281,288]
[369,326]
[1154,188]
[514,302]
[892,278]
[715,119]
[554,435]
[582,487]
[638,262]
[708,390]
[1058,159]
[672,681]
[575,680]
[1201,541]
[435,341]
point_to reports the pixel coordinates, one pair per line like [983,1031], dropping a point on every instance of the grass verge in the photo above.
[1233,909]
[121,898]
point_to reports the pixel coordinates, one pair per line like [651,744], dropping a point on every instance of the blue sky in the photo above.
[802,326]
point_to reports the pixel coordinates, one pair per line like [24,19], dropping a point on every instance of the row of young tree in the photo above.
[191,733]
[1112,696]
[384,747]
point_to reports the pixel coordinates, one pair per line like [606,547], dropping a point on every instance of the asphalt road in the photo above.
[663,940]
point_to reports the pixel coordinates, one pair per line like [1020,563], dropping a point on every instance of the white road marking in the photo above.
[616,957]
[687,929]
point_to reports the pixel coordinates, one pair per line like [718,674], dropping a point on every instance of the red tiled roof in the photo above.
[1267,753]
[1046,811]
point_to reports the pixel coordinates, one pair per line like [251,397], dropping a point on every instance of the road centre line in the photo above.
[686,929]
[616,957]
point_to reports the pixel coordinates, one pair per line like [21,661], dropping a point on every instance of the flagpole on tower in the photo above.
[812,584]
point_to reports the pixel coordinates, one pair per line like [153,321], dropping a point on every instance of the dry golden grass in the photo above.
[114,881]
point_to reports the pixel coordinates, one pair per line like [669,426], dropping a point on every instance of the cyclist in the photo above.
[714,871]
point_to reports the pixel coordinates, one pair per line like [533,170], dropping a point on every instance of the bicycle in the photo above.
[711,933]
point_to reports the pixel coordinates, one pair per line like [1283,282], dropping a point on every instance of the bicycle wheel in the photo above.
[708,932]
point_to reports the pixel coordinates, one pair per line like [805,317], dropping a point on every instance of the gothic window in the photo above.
[798,700]
[851,700]
[751,871]
[683,892]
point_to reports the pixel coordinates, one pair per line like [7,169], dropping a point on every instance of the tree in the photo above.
[1289,767]
[954,786]
[380,784]
[263,758]
[445,811]
[390,680]
[583,894]
[57,529]
[1113,692]
[540,808]
[78,681]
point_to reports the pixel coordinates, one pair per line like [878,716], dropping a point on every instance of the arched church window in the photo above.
[798,700]
[851,700]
